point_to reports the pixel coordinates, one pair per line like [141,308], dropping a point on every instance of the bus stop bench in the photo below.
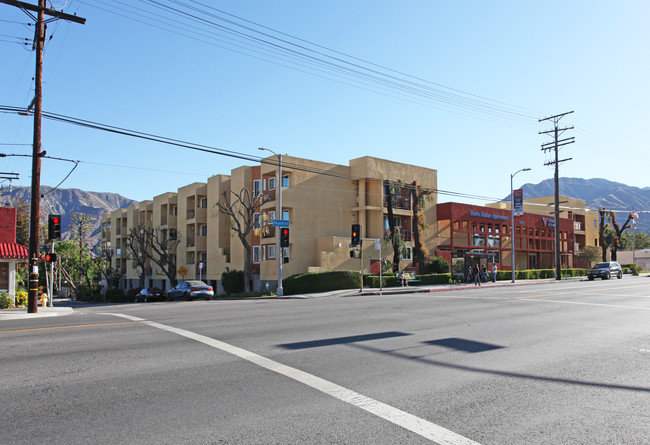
[410,278]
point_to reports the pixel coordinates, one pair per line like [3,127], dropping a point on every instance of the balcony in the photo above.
[404,234]
[401,202]
[268,232]
[577,225]
[190,214]
[269,195]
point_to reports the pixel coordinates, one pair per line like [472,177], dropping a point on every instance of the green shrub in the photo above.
[635,269]
[21,298]
[5,301]
[233,281]
[115,295]
[436,278]
[436,265]
[321,282]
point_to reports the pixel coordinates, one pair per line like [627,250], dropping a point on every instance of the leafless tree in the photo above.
[241,208]
[619,231]
[163,244]
[137,245]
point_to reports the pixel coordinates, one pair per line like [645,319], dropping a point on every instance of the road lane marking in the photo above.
[424,428]
[590,304]
[69,326]
[582,291]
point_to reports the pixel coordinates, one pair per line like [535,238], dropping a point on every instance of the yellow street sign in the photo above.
[182,271]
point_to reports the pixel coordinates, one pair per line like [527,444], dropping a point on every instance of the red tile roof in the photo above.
[13,251]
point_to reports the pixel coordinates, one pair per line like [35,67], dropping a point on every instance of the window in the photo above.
[489,227]
[271,183]
[256,254]
[257,187]
[256,221]
[494,241]
[285,181]
[285,215]
[271,251]
[478,240]
[271,216]
[482,227]
[496,254]
[204,203]
[203,230]
[407,253]
[397,219]
[175,210]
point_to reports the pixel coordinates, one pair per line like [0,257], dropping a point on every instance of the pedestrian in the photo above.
[494,273]
[477,275]
[402,278]
[468,274]
[484,277]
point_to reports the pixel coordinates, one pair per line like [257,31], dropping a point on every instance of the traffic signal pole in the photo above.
[39,40]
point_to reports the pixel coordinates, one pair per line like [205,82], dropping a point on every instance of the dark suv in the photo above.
[606,270]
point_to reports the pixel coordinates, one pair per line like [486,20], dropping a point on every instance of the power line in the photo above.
[218,151]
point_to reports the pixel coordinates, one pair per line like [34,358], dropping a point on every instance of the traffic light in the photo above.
[50,257]
[284,237]
[355,240]
[54,227]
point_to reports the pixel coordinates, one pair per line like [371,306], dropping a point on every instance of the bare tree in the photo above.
[619,231]
[241,209]
[137,245]
[104,260]
[163,246]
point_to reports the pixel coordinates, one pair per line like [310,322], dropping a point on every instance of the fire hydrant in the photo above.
[43,299]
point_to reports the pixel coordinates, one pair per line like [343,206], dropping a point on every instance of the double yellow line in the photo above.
[70,326]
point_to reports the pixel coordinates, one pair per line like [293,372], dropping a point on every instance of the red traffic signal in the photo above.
[284,237]
[50,257]
[54,227]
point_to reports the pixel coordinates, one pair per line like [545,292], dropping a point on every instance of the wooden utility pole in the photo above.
[555,146]
[39,40]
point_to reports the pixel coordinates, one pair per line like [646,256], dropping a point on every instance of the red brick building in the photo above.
[11,253]
[486,231]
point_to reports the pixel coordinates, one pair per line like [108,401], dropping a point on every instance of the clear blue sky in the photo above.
[483,73]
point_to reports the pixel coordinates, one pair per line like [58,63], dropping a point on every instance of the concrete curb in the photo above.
[20,313]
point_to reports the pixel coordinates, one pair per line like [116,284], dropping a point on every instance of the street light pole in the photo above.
[278,250]
[512,221]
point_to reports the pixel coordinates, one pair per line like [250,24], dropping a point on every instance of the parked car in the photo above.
[189,290]
[149,295]
[606,270]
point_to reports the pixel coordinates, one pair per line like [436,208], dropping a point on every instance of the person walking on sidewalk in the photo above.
[494,273]
[477,275]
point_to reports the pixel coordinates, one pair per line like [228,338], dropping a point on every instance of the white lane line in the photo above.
[532,300]
[420,426]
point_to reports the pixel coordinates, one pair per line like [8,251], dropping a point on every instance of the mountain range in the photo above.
[68,201]
[597,193]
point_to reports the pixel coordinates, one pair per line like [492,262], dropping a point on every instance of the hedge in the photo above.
[321,282]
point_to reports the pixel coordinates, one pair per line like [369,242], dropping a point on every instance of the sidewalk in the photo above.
[17,313]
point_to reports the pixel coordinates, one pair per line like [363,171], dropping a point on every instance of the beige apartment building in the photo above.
[320,200]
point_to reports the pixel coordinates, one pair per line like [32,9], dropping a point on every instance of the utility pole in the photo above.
[555,145]
[39,40]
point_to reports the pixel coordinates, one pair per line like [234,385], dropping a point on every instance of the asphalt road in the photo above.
[554,363]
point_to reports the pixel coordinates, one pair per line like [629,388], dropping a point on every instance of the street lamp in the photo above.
[512,221]
[278,250]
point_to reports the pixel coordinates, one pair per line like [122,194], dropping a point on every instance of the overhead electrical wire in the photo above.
[219,151]
[337,65]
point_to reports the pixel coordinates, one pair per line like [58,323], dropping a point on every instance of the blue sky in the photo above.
[498,66]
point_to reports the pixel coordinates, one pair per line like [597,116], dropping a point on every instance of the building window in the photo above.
[397,219]
[496,254]
[494,241]
[271,251]
[271,183]
[407,253]
[203,230]
[478,240]
[175,210]
[489,227]
[256,254]
[256,221]
[285,215]
[257,187]
[285,181]
[270,217]
[204,203]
